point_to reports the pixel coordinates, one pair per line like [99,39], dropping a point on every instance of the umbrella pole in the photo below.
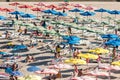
[114,53]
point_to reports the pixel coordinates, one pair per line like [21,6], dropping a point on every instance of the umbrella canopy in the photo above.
[79,6]
[36,9]
[101,10]
[117,63]
[88,56]
[2,18]
[17,13]
[7,10]
[60,66]
[60,14]
[16,73]
[76,10]
[87,13]
[62,8]
[114,43]
[14,4]
[52,6]
[47,71]
[90,8]
[110,36]
[25,6]
[3,53]
[114,12]
[19,47]
[30,77]
[75,61]
[33,69]
[28,16]
[99,51]
[40,4]
[50,11]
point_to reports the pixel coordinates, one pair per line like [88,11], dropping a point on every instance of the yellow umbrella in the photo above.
[99,51]
[117,63]
[75,61]
[30,77]
[88,56]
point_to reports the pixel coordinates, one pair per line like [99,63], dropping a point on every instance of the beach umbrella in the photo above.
[115,43]
[28,16]
[3,53]
[7,10]
[76,10]
[52,6]
[88,56]
[19,47]
[1,9]
[2,18]
[101,10]
[25,6]
[90,8]
[60,14]
[117,63]
[17,13]
[99,51]
[37,10]
[75,62]
[109,36]
[47,71]
[87,13]
[79,6]
[30,77]
[15,4]
[33,69]
[63,8]
[49,11]
[60,66]
[16,73]
[64,4]
[40,4]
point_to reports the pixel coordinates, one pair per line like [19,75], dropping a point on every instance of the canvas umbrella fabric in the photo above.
[49,11]
[52,6]
[90,8]
[2,18]
[116,63]
[46,71]
[33,68]
[101,10]
[28,16]
[15,4]
[7,10]
[60,66]
[60,14]
[109,36]
[37,9]
[30,77]
[26,7]
[40,4]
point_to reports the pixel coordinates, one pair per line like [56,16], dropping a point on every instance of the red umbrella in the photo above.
[47,71]
[7,10]
[79,5]
[25,6]
[63,8]
[40,4]
[52,6]
[14,4]
[64,4]
[1,9]
[90,8]
[37,9]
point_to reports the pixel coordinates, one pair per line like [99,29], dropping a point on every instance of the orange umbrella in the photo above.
[25,6]
[1,9]
[7,10]
[63,8]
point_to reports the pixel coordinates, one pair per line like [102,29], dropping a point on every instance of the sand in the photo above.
[44,55]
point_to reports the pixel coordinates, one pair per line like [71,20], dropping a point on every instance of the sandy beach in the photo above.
[43,55]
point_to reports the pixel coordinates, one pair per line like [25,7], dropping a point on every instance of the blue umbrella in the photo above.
[115,12]
[50,11]
[70,38]
[110,36]
[2,18]
[17,13]
[87,13]
[60,14]
[19,47]
[33,69]
[16,73]
[3,53]
[76,10]
[28,16]
[8,70]
[101,10]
